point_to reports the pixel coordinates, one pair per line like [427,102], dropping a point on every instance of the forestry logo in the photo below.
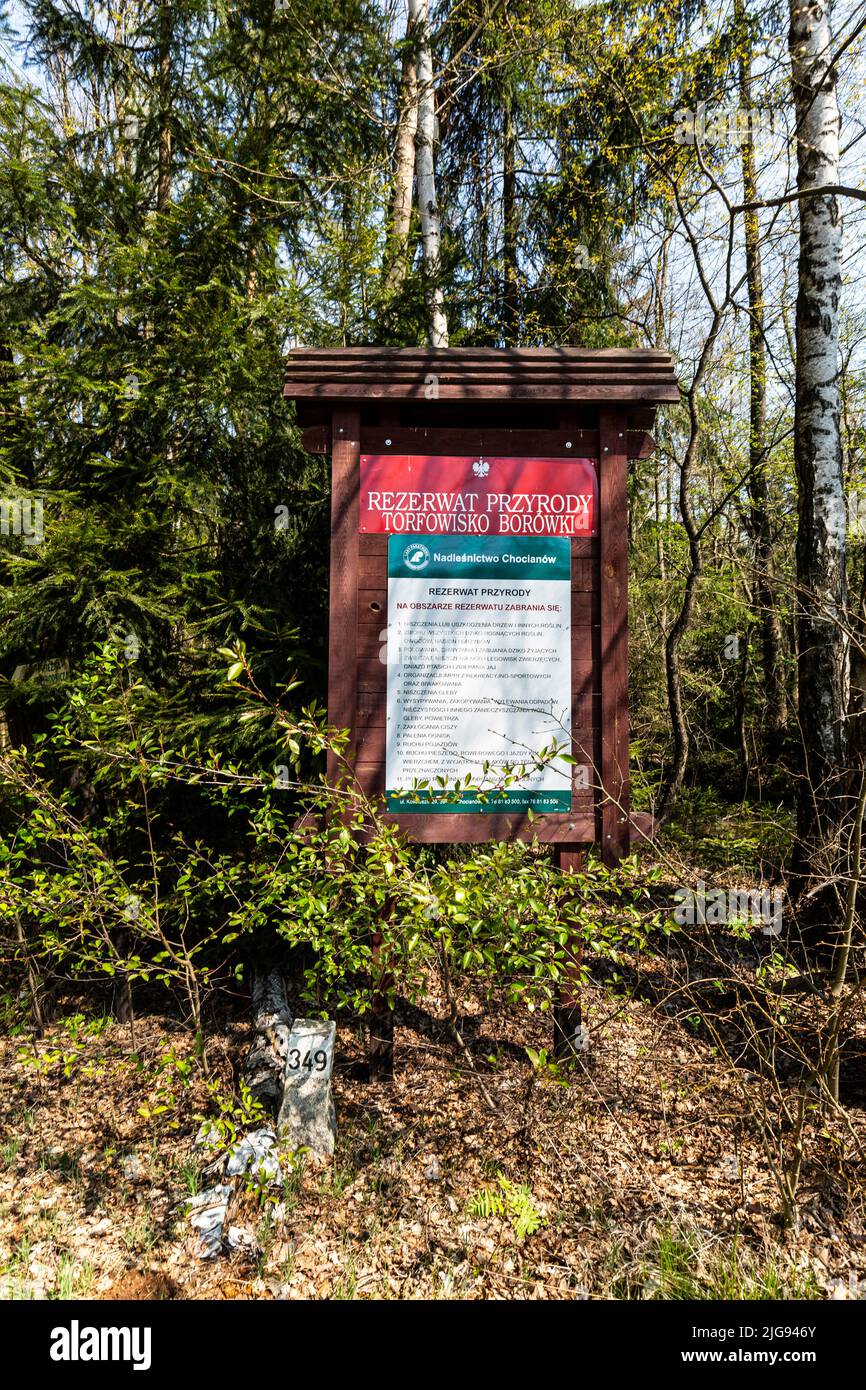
[77,1343]
[481,468]
[416,556]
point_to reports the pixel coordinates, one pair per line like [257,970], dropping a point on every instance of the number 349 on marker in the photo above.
[312,1061]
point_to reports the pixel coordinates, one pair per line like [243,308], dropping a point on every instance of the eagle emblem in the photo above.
[480,468]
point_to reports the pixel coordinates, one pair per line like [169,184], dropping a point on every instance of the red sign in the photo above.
[477,496]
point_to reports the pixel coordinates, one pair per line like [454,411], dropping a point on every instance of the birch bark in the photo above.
[822,598]
[400,212]
[425,173]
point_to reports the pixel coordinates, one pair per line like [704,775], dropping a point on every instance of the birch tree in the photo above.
[400,212]
[821,529]
[425,173]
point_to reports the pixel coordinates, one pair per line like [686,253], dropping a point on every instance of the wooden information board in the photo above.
[452,451]
[478,653]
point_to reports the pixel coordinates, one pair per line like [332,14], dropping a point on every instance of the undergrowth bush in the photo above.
[284,868]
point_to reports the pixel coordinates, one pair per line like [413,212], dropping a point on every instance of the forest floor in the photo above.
[652,1169]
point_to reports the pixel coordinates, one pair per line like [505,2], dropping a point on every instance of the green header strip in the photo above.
[482,557]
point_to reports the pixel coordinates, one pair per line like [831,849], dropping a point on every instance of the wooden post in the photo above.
[613,675]
[381,1048]
[567,1013]
[343,595]
[343,670]
[613,615]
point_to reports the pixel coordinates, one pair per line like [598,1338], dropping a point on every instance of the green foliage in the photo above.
[547,1068]
[514,1201]
[683,1263]
[749,836]
[308,869]
[230,1116]
[68,1049]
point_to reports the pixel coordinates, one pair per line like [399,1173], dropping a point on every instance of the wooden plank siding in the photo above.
[580,443]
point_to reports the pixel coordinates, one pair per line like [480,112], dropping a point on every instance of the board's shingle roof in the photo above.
[641,376]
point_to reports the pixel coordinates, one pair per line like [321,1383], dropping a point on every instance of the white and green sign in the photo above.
[479,674]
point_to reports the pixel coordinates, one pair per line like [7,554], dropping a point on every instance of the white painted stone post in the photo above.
[307,1118]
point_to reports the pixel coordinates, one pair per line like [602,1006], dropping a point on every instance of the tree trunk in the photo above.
[163,181]
[35,983]
[760,522]
[659,341]
[821,582]
[510,315]
[431,223]
[857,678]
[265,1066]
[674,639]
[396,258]
[673,642]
